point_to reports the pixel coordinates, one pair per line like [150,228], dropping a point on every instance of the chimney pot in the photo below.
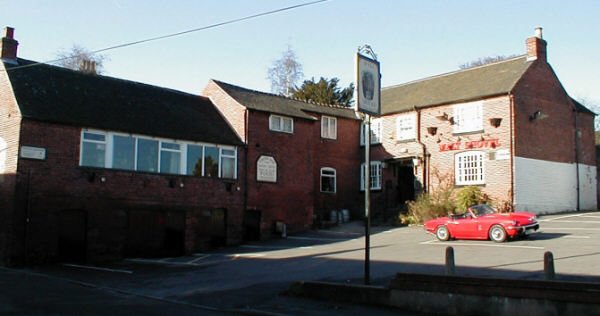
[538,32]
[9,32]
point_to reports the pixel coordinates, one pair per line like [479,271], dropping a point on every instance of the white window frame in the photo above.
[376,131]
[183,151]
[107,152]
[111,147]
[468,117]
[180,151]
[276,123]
[469,168]
[334,176]
[406,127]
[222,155]
[376,174]
[329,127]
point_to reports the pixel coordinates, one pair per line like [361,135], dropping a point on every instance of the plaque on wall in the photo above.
[266,169]
[30,152]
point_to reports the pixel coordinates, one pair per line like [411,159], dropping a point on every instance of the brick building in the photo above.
[508,127]
[301,158]
[96,168]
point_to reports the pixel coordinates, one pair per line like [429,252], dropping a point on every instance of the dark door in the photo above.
[406,184]
[218,224]
[72,233]
[174,233]
[252,219]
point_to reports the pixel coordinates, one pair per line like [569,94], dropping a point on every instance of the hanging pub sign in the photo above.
[368,84]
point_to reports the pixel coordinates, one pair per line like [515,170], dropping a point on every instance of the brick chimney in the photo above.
[536,46]
[8,45]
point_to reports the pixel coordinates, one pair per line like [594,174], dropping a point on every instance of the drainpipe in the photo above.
[577,145]
[424,149]
[511,128]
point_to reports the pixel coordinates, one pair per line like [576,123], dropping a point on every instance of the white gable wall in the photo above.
[549,187]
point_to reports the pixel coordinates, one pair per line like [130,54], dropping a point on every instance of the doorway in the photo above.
[252,220]
[406,183]
[72,236]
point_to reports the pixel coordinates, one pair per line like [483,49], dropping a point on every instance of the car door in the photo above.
[464,228]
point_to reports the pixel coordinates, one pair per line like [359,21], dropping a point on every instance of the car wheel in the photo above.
[442,233]
[497,233]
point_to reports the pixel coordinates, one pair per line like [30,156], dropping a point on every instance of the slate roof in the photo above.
[53,94]
[464,85]
[266,102]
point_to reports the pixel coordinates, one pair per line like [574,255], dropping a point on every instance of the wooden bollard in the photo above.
[450,267]
[549,265]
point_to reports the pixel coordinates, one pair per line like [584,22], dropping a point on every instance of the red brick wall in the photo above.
[10,120]
[290,199]
[296,196]
[587,141]
[552,137]
[344,155]
[59,183]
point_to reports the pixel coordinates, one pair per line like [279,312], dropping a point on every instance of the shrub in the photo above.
[468,196]
[431,205]
[428,206]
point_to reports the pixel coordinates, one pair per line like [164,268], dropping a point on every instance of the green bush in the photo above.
[468,196]
[429,206]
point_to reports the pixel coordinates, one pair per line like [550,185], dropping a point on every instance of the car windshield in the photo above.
[482,209]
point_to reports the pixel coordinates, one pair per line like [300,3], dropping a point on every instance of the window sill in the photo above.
[468,132]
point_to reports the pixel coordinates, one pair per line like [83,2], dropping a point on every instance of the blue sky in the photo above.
[413,39]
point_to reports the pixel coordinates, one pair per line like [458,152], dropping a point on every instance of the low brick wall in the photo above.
[455,295]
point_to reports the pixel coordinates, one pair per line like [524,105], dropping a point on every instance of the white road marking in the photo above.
[444,243]
[199,258]
[569,228]
[248,255]
[579,222]
[317,239]
[566,216]
[263,247]
[97,268]
[577,237]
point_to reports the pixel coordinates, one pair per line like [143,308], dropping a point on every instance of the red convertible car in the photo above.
[483,222]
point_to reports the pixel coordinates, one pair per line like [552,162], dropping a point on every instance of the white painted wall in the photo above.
[549,187]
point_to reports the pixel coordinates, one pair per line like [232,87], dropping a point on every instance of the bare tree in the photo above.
[485,60]
[285,73]
[81,59]
[592,106]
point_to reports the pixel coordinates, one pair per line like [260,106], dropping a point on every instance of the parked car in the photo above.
[483,222]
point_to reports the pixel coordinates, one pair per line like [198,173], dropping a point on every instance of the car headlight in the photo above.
[533,218]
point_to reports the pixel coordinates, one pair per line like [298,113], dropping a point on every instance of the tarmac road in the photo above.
[250,279]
